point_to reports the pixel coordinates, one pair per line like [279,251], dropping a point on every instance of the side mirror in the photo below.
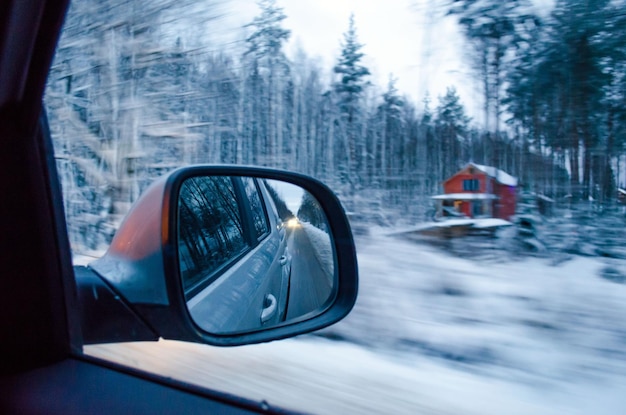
[230,255]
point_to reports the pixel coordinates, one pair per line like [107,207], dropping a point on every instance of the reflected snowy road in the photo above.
[309,286]
[436,335]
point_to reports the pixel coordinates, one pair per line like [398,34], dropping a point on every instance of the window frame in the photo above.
[268,228]
[471,185]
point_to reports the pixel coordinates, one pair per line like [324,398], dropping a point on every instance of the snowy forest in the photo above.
[134,93]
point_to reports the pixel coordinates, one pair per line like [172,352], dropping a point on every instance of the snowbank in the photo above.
[479,223]
[490,223]
[436,334]
[320,241]
[324,377]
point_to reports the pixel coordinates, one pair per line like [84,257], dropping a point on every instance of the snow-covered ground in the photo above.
[479,223]
[437,334]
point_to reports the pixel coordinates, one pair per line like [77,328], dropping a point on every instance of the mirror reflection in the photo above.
[253,253]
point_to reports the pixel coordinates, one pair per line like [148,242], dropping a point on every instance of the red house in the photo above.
[478,191]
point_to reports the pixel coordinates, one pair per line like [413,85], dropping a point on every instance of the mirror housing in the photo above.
[142,262]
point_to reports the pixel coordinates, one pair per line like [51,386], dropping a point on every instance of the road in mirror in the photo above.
[253,253]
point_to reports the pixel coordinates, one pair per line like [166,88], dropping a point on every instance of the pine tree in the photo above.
[351,73]
[392,143]
[451,128]
[268,36]
[348,90]
[570,81]
[491,27]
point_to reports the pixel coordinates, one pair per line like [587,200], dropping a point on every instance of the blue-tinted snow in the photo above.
[437,334]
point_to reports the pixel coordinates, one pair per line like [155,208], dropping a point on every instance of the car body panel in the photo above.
[133,263]
[235,299]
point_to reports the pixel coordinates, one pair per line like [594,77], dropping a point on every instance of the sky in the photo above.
[411,40]
[291,194]
[400,37]
[406,38]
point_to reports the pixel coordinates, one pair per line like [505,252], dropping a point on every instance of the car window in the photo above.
[477,146]
[211,234]
[259,217]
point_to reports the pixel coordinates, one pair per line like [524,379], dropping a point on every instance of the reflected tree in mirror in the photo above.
[253,253]
[210,230]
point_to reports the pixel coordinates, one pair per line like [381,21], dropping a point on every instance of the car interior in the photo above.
[473,150]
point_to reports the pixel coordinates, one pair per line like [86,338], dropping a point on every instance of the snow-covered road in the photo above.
[434,334]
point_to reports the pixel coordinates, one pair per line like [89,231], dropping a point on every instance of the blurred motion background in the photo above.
[382,102]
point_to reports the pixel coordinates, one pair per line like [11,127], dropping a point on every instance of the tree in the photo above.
[268,36]
[121,97]
[95,95]
[266,83]
[348,90]
[450,130]
[571,82]
[391,148]
[310,211]
[219,111]
[491,26]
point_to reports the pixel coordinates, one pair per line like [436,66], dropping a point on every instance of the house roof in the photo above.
[500,176]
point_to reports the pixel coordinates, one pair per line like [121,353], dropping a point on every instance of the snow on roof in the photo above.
[500,176]
[465,196]
[622,191]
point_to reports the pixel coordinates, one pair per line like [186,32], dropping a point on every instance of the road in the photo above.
[309,286]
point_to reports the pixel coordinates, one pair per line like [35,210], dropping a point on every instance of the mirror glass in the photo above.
[253,253]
